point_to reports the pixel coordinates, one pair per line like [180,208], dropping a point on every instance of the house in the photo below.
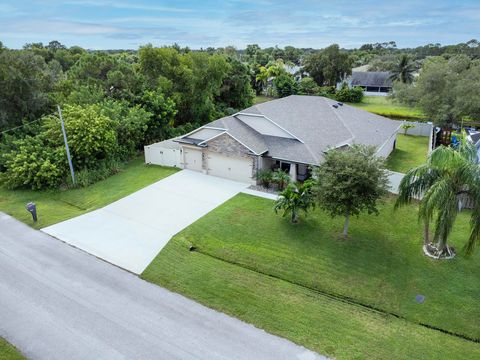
[372,82]
[290,133]
[296,71]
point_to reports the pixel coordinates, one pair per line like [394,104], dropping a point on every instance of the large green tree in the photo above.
[236,91]
[443,183]
[447,90]
[351,181]
[193,80]
[25,82]
[329,66]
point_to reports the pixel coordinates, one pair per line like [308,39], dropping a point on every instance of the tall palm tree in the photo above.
[403,70]
[448,175]
[295,198]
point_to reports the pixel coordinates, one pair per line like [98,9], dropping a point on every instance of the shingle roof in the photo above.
[371,78]
[316,124]
[242,132]
[475,138]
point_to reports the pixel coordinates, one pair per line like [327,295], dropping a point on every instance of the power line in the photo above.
[18,127]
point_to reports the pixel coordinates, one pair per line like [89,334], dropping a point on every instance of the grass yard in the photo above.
[261,99]
[384,106]
[410,151]
[305,283]
[9,352]
[55,206]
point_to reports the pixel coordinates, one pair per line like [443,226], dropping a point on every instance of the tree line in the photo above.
[114,104]
[136,97]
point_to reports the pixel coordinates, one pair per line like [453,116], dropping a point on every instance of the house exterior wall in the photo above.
[387,146]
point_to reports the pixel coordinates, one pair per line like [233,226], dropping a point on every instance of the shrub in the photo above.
[308,86]
[40,161]
[33,164]
[91,135]
[281,179]
[265,177]
[285,85]
[353,95]
[103,170]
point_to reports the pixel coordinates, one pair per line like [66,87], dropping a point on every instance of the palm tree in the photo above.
[262,76]
[296,198]
[403,70]
[448,175]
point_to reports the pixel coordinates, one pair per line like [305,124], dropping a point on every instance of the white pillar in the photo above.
[293,172]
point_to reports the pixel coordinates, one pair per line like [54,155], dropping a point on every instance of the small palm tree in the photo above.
[296,198]
[281,178]
[403,70]
[448,175]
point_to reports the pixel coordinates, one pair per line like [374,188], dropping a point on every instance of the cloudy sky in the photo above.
[126,24]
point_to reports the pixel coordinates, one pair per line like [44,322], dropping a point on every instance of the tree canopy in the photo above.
[351,181]
[447,90]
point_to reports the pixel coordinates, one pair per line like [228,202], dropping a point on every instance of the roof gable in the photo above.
[264,125]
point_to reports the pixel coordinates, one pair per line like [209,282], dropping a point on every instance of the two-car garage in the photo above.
[230,167]
[216,164]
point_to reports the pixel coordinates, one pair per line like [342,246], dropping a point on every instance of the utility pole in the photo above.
[66,145]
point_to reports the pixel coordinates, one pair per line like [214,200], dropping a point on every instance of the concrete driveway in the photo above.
[131,232]
[57,302]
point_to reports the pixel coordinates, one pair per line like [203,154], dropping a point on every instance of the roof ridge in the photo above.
[339,118]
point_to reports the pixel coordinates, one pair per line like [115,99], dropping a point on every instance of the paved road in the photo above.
[57,302]
[131,231]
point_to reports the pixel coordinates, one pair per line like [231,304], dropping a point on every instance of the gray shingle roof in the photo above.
[371,78]
[242,132]
[315,122]
[475,137]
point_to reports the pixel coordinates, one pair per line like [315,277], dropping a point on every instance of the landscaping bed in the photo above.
[354,298]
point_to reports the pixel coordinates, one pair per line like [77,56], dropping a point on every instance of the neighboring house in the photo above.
[296,71]
[372,82]
[290,133]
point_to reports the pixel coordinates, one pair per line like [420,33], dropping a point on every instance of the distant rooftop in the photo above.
[371,78]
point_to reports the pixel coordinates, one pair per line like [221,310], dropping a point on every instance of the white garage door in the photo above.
[233,168]
[193,159]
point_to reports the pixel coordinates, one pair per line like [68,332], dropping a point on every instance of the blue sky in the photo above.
[114,24]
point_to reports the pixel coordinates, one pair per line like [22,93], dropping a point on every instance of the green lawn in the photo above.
[410,151]
[384,106]
[262,98]
[56,206]
[304,282]
[9,352]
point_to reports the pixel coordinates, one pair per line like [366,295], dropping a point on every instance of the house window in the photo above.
[285,167]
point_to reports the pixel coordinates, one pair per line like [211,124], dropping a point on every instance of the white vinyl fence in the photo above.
[421,129]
